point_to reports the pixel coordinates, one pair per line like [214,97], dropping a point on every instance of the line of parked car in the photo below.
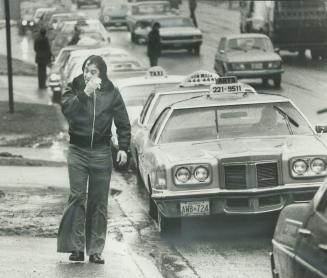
[204,143]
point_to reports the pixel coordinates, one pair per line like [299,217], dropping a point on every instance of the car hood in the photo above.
[117,12]
[177,31]
[289,146]
[252,56]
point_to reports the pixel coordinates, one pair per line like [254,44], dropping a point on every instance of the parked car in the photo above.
[232,152]
[135,91]
[141,14]
[300,239]
[248,56]
[113,15]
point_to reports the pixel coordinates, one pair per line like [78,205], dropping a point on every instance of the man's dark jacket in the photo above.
[154,46]
[42,49]
[78,108]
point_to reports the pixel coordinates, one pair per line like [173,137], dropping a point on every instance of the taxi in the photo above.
[140,16]
[230,152]
[300,239]
[135,91]
[249,56]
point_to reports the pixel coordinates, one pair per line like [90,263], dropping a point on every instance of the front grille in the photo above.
[267,174]
[118,17]
[251,175]
[171,38]
[235,177]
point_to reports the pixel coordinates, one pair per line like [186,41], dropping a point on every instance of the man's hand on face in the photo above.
[121,157]
[93,84]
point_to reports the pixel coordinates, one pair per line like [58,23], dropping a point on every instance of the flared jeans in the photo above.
[84,221]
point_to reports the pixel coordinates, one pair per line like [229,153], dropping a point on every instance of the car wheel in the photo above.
[168,226]
[153,210]
[197,50]
[277,80]
[315,54]
[265,81]
[132,37]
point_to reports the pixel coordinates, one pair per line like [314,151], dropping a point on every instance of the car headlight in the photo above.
[183,174]
[300,167]
[106,18]
[238,66]
[24,22]
[31,23]
[54,77]
[318,165]
[309,167]
[201,174]
[274,65]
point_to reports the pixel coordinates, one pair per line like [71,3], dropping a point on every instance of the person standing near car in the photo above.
[90,104]
[43,57]
[76,36]
[154,46]
[192,6]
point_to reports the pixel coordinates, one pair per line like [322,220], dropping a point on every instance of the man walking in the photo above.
[154,46]
[43,57]
[192,5]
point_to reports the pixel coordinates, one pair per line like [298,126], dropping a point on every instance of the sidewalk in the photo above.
[36,257]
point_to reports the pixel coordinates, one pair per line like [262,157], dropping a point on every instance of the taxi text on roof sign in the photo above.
[227,85]
[199,78]
[155,72]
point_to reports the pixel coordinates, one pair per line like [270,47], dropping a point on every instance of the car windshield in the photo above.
[176,22]
[249,44]
[165,100]
[251,120]
[137,95]
[158,8]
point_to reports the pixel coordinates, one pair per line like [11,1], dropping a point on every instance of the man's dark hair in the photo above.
[156,25]
[100,64]
[42,31]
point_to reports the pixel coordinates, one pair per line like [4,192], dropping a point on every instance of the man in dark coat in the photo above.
[154,46]
[43,56]
[76,37]
[192,5]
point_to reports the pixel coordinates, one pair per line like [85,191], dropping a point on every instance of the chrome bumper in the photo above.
[255,73]
[222,201]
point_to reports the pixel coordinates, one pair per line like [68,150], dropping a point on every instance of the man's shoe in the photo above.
[77,256]
[96,259]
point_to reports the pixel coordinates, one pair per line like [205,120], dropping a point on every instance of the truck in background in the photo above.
[291,25]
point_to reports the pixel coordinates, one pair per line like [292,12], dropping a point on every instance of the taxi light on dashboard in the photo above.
[192,174]
[308,167]
[199,78]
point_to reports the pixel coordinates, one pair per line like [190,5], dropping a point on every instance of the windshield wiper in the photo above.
[288,118]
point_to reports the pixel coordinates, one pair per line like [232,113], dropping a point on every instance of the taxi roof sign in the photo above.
[156,71]
[230,89]
[198,78]
[226,80]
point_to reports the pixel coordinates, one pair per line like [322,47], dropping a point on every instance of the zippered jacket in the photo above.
[90,117]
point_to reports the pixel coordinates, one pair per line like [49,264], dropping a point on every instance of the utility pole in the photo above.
[9,58]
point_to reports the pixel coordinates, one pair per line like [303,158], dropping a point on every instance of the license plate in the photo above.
[257,66]
[195,208]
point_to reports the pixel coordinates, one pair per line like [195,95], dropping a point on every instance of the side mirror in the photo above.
[277,50]
[321,129]
[222,51]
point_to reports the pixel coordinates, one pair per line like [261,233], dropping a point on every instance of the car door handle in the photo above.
[304,232]
[323,247]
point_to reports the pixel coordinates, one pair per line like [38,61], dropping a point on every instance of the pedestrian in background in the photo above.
[192,6]
[154,47]
[43,57]
[90,104]
[76,36]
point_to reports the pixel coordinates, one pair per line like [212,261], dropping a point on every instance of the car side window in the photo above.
[146,108]
[222,44]
[157,124]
